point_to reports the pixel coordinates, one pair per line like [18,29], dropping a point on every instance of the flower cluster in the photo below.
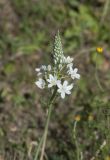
[60,73]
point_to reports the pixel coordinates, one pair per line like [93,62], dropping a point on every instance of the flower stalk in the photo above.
[50,106]
[76,142]
[42,143]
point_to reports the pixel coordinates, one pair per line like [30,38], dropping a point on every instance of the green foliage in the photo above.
[9,68]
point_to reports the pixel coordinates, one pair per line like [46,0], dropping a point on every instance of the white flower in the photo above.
[37,69]
[68,60]
[70,65]
[70,70]
[52,81]
[43,67]
[74,73]
[40,83]
[64,88]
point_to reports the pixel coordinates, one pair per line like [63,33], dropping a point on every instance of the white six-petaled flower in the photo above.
[74,74]
[53,81]
[64,88]
[43,67]
[68,60]
[40,83]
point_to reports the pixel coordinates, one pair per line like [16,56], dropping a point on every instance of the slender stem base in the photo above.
[76,143]
[42,143]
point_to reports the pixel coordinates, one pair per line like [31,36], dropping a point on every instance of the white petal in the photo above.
[69,65]
[70,71]
[70,87]
[73,77]
[65,83]
[58,82]
[68,60]
[40,83]
[59,85]
[55,78]
[51,77]
[43,67]
[37,82]
[59,90]
[75,70]
[63,95]
[39,73]
[37,69]
[78,76]
[49,85]
[68,92]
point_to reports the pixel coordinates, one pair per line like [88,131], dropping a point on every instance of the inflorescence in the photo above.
[60,73]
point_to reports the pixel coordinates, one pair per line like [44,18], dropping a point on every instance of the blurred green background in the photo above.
[27,30]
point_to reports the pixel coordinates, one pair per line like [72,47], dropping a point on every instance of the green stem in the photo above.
[105,10]
[45,132]
[38,148]
[97,78]
[76,143]
[44,137]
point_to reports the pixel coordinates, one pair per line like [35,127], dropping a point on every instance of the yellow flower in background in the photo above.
[99,49]
[77,118]
[107,158]
[90,118]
